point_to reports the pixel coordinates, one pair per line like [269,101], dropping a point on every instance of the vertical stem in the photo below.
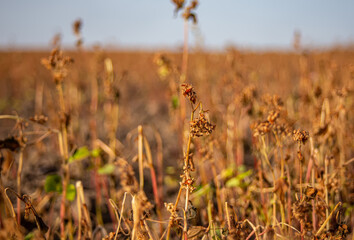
[19,171]
[186,158]
[65,166]
[185,51]
[96,160]
[265,155]
[140,156]
[326,190]
[227,216]
[217,190]
[79,209]
[185,228]
[183,77]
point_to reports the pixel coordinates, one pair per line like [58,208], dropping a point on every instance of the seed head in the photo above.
[300,136]
[188,91]
[77,26]
[261,128]
[57,64]
[201,126]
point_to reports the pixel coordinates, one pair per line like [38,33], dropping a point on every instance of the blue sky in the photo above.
[151,23]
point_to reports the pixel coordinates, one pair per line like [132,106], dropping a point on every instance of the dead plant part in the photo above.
[77,25]
[327,220]
[188,91]
[300,136]
[301,210]
[56,40]
[248,95]
[85,225]
[273,116]
[196,232]
[201,126]
[140,157]
[40,119]
[58,64]
[261,129]
[119,216]
[280,188]
[28,208]
[273,101]
[141,207]
[110,236]
[10,143]
[310,192]
[189,11]
[127,176]
[257,172]
[179,4]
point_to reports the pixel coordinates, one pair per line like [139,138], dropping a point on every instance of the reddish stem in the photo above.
[106,193]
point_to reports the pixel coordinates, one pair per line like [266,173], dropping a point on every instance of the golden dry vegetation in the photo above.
[99,144]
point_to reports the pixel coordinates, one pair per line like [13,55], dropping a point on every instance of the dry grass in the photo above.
[200,145]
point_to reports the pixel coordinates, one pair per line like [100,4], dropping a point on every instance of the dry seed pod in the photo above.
[77,26]
[189,92]
[260,129]
[310,192]
[300,136]
[201,126]
[273,116]
[179,4]
[10,143]
[40,119]
[301,209]
[57,64]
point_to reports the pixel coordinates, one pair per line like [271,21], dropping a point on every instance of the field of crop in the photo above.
[98,144]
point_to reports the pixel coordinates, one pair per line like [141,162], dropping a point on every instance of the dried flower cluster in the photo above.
[57,63]
[77,25]
[248,95]
[188,91]
[300,136]
[301,210]
[189,11]
[201,126]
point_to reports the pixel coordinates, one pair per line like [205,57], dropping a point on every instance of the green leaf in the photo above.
[53,184]
[106,169]
[202,190]
[238,180]
[95,152]
[80,154]
[233,182]
[70,192]
[29,236]
[226,173]
[175,102]
[243,175]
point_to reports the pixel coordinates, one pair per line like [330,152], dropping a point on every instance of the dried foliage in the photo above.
[271,158]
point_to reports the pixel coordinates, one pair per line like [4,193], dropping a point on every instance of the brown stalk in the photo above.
[326,222]
[153,178]
[42,227]
[19,172]
[65,156]
[185,165]
[140,157]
